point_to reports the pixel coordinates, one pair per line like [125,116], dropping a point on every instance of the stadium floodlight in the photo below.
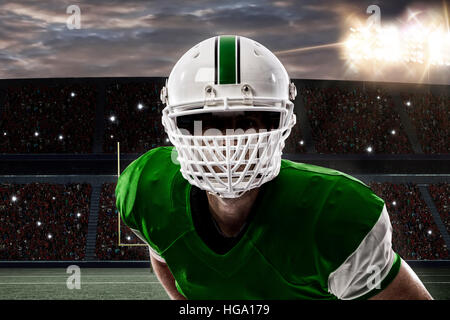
[36,134]
[140,106]
[49,236]
[4,133]
[393,132]
[424,42]
[60,137]
[394,203]
[378,97]
[430,232]
[112,118]
[14,198]
[78,214]
[53,198]
[369,149]
[301,142]
[72,94]
[167,139]
[112,136]
[128,238]
[408,103]
[39,223]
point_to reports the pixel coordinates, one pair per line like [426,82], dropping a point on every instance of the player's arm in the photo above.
[166,278]
[162,271]
[405,286]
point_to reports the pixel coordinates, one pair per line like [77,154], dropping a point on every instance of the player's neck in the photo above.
[231,214]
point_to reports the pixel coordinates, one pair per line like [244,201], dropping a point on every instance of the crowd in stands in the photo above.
[47,119]
[60,118]
[349,121]
[40,221]
[415,234]
[295,142]
[430,115]
[133,117]
[440,192]
[107,247]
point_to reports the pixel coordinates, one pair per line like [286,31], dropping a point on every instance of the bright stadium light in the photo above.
[430,232]
[128,238]
[4,133]
[394,203]
[36,134]
[301,142]
[112,136]
[14,198]
[49,236]
[140,106]
[421,39]
[72,94]
[393,132]
[53,198]
[60,137]
[39,223]
[369,149]
[167,139]
[112,118]
[378,97]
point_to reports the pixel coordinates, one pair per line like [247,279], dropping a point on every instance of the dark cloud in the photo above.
[145,38]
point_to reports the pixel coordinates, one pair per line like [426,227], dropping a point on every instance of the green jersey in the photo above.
[316,233]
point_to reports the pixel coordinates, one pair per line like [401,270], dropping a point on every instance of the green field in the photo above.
[133,283]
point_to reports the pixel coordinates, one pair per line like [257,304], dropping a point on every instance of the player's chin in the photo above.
[247,194]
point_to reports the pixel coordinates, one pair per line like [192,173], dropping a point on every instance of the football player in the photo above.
[226,218]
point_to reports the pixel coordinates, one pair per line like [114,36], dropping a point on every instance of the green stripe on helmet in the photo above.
[227,60]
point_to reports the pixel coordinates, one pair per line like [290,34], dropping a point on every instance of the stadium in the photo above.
[58,174]
[64,142]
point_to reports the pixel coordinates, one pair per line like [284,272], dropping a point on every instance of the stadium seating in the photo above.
[415,235]
[107,247]
[61,119]
[441,197]
[295,142]
[47,119]
[41,221]
[136,109]
[349,121]
[430,115]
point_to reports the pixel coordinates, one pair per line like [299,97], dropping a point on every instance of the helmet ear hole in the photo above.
[196,55]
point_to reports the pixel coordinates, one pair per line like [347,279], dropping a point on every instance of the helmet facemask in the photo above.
[221,151]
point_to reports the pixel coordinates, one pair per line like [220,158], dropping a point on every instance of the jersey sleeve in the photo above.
[128,200]
[370,268]
[354,238]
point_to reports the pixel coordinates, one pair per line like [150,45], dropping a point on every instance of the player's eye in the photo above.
[245,121]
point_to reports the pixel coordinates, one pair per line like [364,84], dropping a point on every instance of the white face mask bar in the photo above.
[230,165]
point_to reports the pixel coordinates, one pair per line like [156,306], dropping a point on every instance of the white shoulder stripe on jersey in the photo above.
[152,251]
[156,255]
[368,265]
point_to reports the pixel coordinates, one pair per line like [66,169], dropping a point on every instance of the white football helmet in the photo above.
[228,74]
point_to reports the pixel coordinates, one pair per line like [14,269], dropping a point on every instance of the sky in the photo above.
[146,38]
